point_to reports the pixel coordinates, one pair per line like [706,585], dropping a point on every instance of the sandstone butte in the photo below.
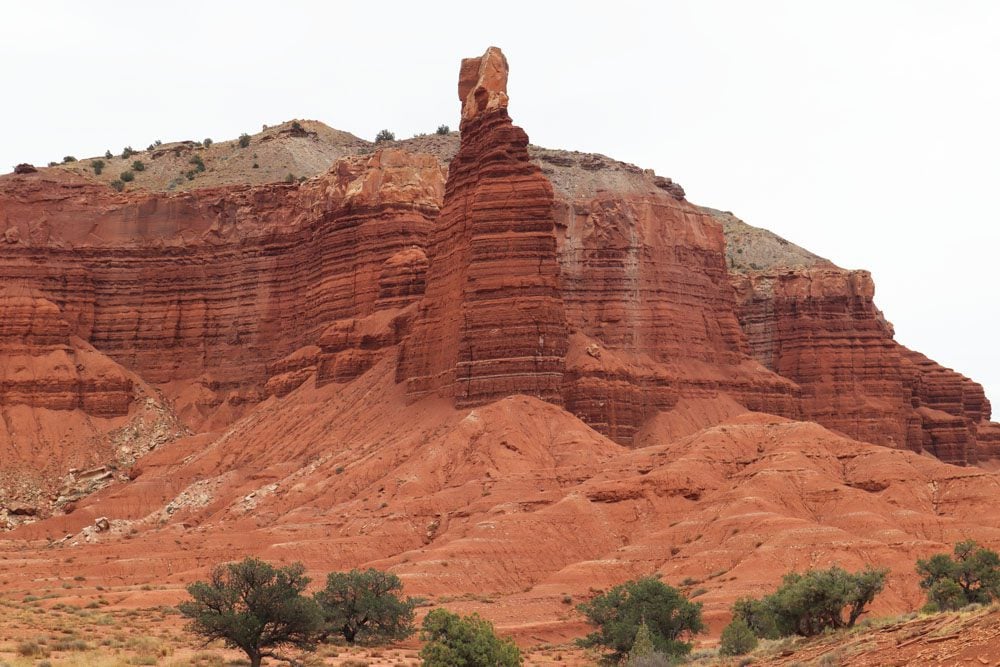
[508,374]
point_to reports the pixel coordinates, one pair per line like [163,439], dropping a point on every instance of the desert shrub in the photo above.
[643,653]
[289,179]
[737,638]
[464,641]
[619,613]
[53,163]
[206,142]
[364,606]
[443,129]
[108,155]
[809,603]
[255,607]
[244,140]
[256,166]
[198,163]
[127,176]
[118,184]
[654,659]
[32,649]
[384,135]
[973,575]
[127,152]
[296,126]
[98,166]
[150,147]
[138,165]
[157,143]
[68,159]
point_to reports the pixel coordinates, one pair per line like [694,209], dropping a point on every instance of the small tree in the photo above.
[466,641]
[68,159]
[973,575]
[363,606]
[620,612]
[138,165]
[127,176]
[108,155]
[198,163]
[254,607]
[809,603]
[244,140]
[443,129]
[737,638]
[118,184]
[127,152]
[98,166]
[207,142]
[384,135]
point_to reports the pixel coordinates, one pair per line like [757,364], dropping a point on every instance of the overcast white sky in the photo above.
[868,132]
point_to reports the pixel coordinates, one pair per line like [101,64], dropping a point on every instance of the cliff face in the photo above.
[586,282]
[820,328]
[219,283]
[491,322]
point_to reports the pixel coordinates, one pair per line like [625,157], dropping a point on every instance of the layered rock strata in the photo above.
[491,322]
[820,328]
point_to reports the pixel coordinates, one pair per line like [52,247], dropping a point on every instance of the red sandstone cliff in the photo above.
[608,293]
[491,322]
[545,373]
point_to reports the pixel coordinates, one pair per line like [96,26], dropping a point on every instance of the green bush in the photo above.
[289,179]
[98,166]
[53,163]
[118,185]
[127,152]
[296,126]
[127,176]
[972,576]
[198,163]
[619,613]
[384,135]
[138,166]
[466,641]
[364,606]
[443,129]
[809,603]
[737,638]
[244,140]
[108,155]
[68,159]
[207,142]
[254,606]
